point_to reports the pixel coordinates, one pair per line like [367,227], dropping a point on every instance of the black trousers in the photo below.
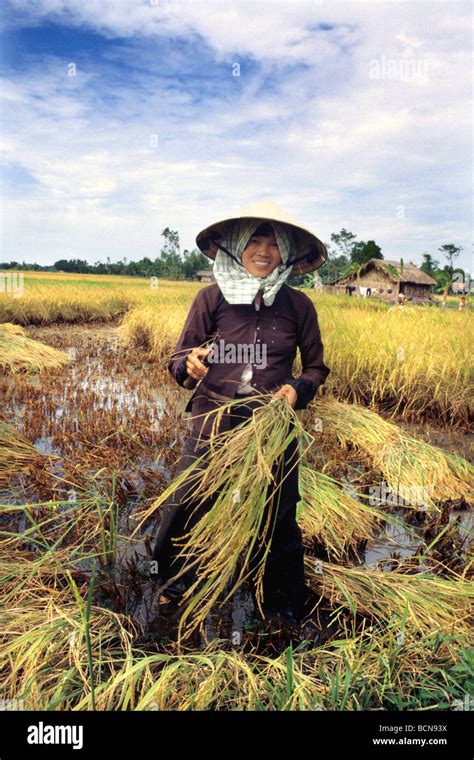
[283,581]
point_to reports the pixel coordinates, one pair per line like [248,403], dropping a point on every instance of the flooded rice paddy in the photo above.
[112,425]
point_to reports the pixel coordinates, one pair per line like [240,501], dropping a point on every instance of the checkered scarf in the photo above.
[236,283]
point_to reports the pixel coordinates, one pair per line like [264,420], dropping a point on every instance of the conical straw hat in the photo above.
[309,250]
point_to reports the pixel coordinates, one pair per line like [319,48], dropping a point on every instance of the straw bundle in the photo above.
[56,657]
[18,353]
[49,668]
[63,652]
[411,467]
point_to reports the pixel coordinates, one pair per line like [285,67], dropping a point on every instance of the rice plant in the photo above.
[415,360]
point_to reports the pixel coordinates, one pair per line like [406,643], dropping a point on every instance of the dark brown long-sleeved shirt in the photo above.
[290,322]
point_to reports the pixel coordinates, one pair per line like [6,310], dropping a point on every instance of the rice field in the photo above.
[91,428]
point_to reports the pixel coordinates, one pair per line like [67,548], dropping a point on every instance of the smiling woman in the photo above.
[250,304]
[262,255]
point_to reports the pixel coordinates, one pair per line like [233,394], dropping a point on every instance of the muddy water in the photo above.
[110,408]
[395,540]
[456,441]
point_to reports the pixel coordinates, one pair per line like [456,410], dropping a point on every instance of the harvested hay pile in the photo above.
[237,466]
[19,353]
[60,661]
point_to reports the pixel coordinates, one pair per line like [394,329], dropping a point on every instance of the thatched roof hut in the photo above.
[205,275]
[387,279]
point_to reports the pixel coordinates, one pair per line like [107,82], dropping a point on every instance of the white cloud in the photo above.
[304,123]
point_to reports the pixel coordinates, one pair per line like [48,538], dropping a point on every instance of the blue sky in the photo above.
[122,117]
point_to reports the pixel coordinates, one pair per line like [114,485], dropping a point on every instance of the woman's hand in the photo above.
[194,366]
[289,392]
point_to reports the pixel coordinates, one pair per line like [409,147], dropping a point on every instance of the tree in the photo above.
[443,278]
[451,252]
[394,271]
[362,252]
[354,268]
[170,255]
[430,265]
[99,268]
[73,265]
[334,267]
[344,241]
[194,261]
[297,281]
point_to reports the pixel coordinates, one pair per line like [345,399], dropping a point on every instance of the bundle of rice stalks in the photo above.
[415,471]
[238,464]
[423,602]
[331,515]
[18,353]
[26,576]
[230,680]
[16,453]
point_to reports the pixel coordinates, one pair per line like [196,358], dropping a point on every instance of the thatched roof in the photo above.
[204,272]
[410,273]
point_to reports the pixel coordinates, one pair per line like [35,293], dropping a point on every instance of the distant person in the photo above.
[462,303]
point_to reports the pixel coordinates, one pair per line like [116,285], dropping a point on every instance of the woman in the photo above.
[251,307]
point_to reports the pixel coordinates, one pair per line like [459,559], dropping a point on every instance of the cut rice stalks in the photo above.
[16,453]
[329,514]
[47,650]
[239,463]
[418,472]
[424,602]
[19,353]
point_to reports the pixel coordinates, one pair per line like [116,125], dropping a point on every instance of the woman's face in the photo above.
[261,255]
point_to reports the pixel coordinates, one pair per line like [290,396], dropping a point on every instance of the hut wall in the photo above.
[416,290]
[376,280]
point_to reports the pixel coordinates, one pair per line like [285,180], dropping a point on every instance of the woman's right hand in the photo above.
[194,366]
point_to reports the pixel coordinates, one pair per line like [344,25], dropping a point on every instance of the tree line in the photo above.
[346,255]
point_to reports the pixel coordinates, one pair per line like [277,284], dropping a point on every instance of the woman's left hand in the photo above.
[289,392]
